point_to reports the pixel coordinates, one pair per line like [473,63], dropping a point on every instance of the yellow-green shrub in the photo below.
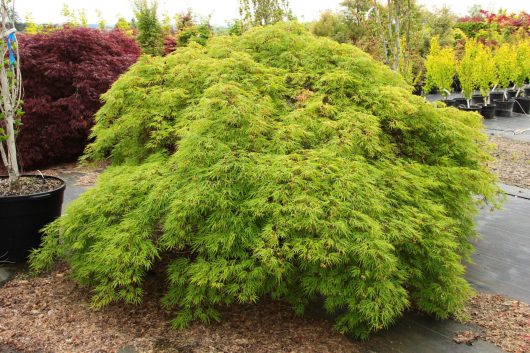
[277,164]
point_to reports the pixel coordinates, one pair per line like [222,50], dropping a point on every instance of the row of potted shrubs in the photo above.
[501,103]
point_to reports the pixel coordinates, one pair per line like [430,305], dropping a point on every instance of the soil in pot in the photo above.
[471,108]
[527,91]
[477,99]
[496,95]
[28,185]
[24,210]
[504,108]
[488,111]
[522,105]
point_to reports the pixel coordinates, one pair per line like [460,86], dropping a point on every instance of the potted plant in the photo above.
[485,77]
[522,104]
[441,69]
[467,74]
[505,61]
[27,202]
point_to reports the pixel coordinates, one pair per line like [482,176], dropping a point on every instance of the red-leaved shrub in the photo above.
[64,73]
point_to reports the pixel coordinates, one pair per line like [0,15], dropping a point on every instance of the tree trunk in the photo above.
[12,165]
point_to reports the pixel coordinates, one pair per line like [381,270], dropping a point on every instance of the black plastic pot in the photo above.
[488,111]
[23,217]
[522,105]
[477,99]
[496,95]
[527,91]
[504,108]
[448,102]
[459,101]
[511,93]
[471,108]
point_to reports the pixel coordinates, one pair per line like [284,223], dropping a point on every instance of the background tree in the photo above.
[522,68]
[263,12]
[438,23]
[101,19]
[74,18]
[440,68]
[167,26]
[123,25]
[65,73]
[505,61]
[356,16]
[70,16]
[486,71]
[467,69]
[332,25]
[150,35]
[31,26]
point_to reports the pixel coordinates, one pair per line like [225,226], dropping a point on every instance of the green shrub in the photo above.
[522,66]
[485,69]
[468,70]
[441,68]
[506,62]
[277,164]
[471,28]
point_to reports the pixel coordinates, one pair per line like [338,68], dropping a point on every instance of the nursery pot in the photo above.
[522,105]
[459,101]
[511,93]
[448,102]
[504,108]
[23,217]
[488,111]
[477,99]
[471,108]
[527,91]
[496,95]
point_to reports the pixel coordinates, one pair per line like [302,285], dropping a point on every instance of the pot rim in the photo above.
[30,196]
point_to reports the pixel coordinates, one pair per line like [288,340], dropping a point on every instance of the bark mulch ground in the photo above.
[51,313]
[513,161]
[505,322]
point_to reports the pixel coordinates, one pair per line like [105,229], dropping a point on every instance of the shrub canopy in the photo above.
[277,164]
[65,72]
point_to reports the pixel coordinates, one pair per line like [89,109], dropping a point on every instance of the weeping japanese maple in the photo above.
[277,164]
[65,73]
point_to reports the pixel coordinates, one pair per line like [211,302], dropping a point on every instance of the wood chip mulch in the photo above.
[513,161]
[505,322]
[51,314]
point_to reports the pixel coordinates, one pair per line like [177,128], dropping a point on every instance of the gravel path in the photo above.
[513,161]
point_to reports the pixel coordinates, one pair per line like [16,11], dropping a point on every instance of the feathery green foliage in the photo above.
[506,61]
[277,164]
[486,70]
[441,68]
[522,67]
[150,34]
[468,70]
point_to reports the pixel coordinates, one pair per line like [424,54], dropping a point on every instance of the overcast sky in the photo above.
[221,11]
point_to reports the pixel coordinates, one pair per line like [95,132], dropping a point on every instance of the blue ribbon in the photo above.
[11,39]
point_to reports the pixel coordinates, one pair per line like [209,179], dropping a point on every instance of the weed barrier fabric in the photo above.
[277,165]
